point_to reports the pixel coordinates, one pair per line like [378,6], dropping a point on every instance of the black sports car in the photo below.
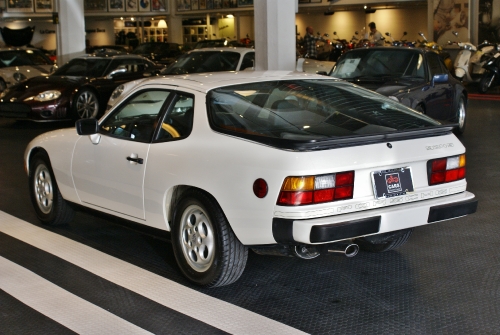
[79,89]
[415,77]
[159,52]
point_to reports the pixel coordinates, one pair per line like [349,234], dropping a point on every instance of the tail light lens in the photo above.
[307,190]
[445,170]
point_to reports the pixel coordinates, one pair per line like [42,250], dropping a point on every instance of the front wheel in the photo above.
[85,105]
[205,247]
[48,202]
[384,242]
[486,81]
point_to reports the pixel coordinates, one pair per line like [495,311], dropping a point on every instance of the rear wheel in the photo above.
[460,116]
[85,105]
[206,249]
[486,81]
[48,202]
[384,242]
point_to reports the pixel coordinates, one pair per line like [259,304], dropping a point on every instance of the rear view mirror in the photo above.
[87,126]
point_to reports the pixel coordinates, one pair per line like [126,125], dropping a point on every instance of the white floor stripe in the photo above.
[61,306]
[219,314]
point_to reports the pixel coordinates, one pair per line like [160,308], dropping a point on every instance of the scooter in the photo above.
[470,60]
[445,56]
[401,42]
[340,46]
[492,72]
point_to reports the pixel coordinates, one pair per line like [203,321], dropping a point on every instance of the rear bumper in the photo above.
[341,227]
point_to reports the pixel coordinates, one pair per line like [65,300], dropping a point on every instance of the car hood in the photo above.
[36,85]
[386,87]
[28,70]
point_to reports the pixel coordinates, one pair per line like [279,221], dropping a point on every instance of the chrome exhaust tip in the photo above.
[347,249]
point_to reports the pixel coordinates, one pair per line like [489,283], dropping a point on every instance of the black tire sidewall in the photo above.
[483,84]
[461,101]
[214,272]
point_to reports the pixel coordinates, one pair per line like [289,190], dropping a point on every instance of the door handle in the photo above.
[135,160]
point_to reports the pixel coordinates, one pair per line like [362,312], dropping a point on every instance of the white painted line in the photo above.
[217,313]
[61,306]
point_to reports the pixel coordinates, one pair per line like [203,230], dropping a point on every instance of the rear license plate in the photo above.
[392,183]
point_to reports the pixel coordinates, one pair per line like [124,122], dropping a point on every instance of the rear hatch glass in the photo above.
[312,114]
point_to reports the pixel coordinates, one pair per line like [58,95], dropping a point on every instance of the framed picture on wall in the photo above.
[245,3]
[203,4]
[304,1]
[195,4]
[44,6]
[95,5]
[144,6]
[19,6]
[131,5]
[210,4]
[116,5]
[217,4]
[316,1]
[159,5]
[183,5]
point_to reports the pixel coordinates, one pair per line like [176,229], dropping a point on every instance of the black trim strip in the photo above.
[344,230]
[283,230]
[450,211]
[124,303]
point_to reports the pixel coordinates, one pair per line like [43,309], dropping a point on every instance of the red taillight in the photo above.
[445,170]
[306,190]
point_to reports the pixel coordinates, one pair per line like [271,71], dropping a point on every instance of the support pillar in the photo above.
[275,35]
[70,30]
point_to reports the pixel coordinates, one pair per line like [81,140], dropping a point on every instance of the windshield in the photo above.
[377,63]
[308,110]
[204,61]
[156,48]
[23,57]
[89,67]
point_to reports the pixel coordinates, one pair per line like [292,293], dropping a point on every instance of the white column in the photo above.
[275,35]
[70,30]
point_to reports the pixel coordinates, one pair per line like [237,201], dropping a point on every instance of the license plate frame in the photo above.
[392,182]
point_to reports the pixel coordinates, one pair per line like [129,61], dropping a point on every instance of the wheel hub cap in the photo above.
[44,191]
[197,238]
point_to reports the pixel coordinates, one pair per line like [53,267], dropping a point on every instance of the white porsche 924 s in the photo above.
[282,163]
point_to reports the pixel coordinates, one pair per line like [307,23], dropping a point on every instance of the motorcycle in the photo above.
[445,56]
[340,46]
[401,42]
[470,60]
[492,72]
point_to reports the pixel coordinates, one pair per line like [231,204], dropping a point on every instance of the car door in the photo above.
[109,172]
[439,98]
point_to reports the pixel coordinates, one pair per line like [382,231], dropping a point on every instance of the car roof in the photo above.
[93,56]
[241,50]
[204,82]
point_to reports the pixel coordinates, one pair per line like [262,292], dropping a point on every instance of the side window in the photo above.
[132,65]
[178,121]
[248,61]
[136,119]
[435,64]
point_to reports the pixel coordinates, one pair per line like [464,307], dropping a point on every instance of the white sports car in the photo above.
[18,64]
[282,163]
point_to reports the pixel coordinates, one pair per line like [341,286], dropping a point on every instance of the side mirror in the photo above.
[115,72]
[439,79]
[87,126]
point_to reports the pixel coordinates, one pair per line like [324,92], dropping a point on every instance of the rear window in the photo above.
[308,110]
[204,61]
[377,63]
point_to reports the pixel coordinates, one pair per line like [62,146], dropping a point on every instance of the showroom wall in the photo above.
[345,23]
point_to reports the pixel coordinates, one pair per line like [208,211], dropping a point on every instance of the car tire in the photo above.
[486,81]
[384,242]
[461,116]
[206,249]
[85,105]
[3,85]
[50,207]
